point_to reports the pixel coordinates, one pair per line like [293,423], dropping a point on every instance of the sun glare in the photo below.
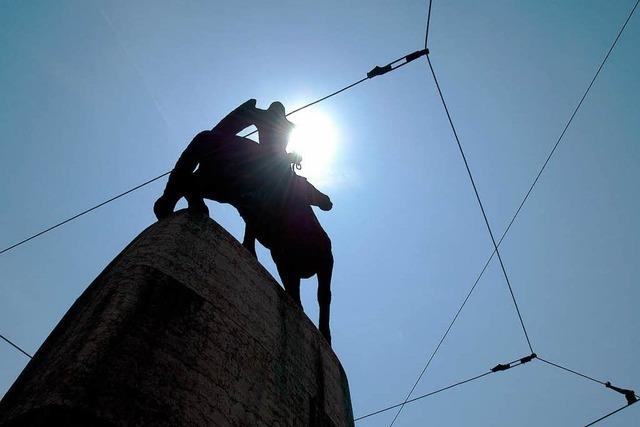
[314,138]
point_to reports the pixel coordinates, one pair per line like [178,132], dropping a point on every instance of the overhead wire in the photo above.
[564,130]
[426,46]
[16,346]
[388,408]
[607,416]
[495,244]
[528,193]
[484,214]
[377,71]
[84,212]
[407,58]
[564,368]
[585,376]
[426,33]
[498,368]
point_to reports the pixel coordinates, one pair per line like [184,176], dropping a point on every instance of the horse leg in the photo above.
[316,197]
[249,240]
[193,194]
[324,297]
[180,178]
[291,283]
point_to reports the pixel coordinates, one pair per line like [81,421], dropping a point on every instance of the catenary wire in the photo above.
[495,249]
[607,416]
[444,336]
[486,220]
[564,368]
[509,365]
[17,347]
[564,130]
[86,211]
[423,396]
[484,214]
[535,181]
[377,71]
[426,33]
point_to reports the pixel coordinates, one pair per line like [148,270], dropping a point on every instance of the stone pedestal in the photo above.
[183,328]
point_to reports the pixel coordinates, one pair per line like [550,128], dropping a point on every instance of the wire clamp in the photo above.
[378,70]
[528,358]
[630,395]
[504,366]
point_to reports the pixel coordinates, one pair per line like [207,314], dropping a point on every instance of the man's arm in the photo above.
[240,118]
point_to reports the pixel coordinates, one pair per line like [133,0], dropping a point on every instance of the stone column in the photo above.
[183,328]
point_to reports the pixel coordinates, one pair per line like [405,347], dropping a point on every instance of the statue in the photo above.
[259,181]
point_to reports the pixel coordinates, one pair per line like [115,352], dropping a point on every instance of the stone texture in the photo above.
[184,327]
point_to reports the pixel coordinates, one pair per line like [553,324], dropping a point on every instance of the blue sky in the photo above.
[100,96]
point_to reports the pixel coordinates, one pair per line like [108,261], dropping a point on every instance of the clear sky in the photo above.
[99,96]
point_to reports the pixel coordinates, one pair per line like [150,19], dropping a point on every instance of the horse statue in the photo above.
[258,180]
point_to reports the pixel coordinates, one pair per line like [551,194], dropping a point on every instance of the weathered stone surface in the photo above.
[184,327]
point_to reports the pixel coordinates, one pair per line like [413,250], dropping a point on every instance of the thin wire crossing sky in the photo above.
[100,97]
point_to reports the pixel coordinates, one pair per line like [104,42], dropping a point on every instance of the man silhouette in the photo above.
[259,181]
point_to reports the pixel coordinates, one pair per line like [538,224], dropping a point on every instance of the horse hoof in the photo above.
[326,206]
[162,209]
[197,206]
[327,336]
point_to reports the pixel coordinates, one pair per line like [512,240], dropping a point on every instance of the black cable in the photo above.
[495,246]
[165,174]
[607,416]
[328,96]
[15,346]
[504,367]
[444,336]
[423,396]
[564,368]
[84,212]
[521,203]
[571,370]
[426,33]
[486,221]
[388,68]
[544,165]
[484,215]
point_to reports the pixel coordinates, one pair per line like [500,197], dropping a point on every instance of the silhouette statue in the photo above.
[259,181]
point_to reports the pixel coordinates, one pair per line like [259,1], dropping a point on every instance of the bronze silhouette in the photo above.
[259,181]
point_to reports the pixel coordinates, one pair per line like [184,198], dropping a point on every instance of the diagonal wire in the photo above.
[486,220]
[444,336]
[564,368]
[607,416]
[564,130]
[99,205]
[377,71]
[86,211]
[484,214]
[528,193]
[17,347]
[426,33]
[423,396]
[512,364]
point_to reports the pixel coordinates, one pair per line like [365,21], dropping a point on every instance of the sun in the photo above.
[315,139]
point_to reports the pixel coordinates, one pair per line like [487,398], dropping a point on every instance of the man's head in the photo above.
[273,126]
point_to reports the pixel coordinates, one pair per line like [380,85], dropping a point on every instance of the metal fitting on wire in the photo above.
[630,395]
[504,366]
[378,71]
